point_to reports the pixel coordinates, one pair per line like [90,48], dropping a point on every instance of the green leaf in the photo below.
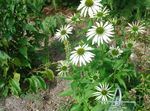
[14,91]
[41,82]
[118,64]
[33,86]
[121,81]
[76,107]
[66,93]
[2,84]
[48,74]
[16,61]
[5,91]
[30,27]
[4,56]
[23,51]
[14,86]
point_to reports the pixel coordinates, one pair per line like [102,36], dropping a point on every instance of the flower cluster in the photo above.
[100,32]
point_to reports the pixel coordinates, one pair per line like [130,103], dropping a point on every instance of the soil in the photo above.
[48,100]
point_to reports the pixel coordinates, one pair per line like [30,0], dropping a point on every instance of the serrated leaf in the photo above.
[48,74]
[41,82]
[14,84]
[33,84]
[14,91]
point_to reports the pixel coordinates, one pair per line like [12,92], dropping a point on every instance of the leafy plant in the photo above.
[24,45]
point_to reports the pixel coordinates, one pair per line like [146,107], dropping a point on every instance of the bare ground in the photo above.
[48,100]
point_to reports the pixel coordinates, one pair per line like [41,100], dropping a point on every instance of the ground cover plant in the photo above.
[102,49]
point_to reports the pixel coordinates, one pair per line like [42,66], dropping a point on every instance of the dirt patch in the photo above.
[48,100]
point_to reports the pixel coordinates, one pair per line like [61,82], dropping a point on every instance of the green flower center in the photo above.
[64,68]
[74,18]
[115,52]
[100,14]
[63,32]
[100,30]
[89,3]
[80,51]
[135,28]
[104,92]
[130,45]
[95,77]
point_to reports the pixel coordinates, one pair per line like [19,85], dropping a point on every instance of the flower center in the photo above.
[104,92]
[80,51]
[115,52]
[130,45]
[89,3]
[74,19]
[64,68]
[135,28]
[95,77]
[100,30]
[100,14]
[63,32]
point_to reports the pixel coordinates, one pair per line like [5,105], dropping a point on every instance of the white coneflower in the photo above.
[89,7]
[73,19]
[63,68]
[103,93]
[81,55]
[63,33]
[94,77]
[115,51]
[136,28]
[103,12]
[100,33]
